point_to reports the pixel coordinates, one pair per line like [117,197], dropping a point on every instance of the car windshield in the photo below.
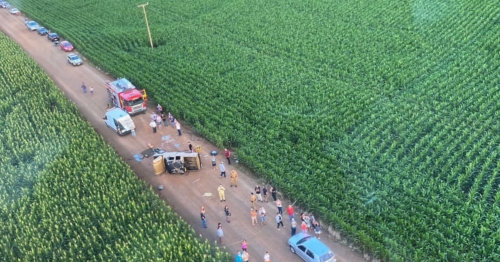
[53,35]
[32,23]
[66,44]
[74,57]
[133,102]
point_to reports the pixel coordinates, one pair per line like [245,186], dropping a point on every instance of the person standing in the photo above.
[84,88]
[164,119]
[91,89]
[222,196]
[317,229]
[267,257]
[228,156]
[280,206]
[262,213]
[244,245]
[190,147]
[279,221]
[245,256]
[178,126]
[253,199]
[220,233]
[234,178]
[160,109]
[214,163]
[273,193]
[303,226]
[153,117]
[203,217]
[228,214]
[266,194]
[153,125]
[291,212]
[158,121]
[253,213]
[257,193]
[222,170]
[239,257]
[294,227]
[171,119]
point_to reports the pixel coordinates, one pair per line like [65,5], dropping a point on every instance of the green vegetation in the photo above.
[381,116]
[65,195]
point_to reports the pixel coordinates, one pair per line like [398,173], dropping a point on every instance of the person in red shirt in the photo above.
[228,156]
[291,212]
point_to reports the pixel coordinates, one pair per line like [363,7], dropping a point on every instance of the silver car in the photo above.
[32,25]
[310,248]
[14,11]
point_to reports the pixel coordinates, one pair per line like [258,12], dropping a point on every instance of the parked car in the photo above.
[4,4]
[32,25]
[74,59]
[53,37]
[66,46]
[42,31]
[14,11]
[310,248]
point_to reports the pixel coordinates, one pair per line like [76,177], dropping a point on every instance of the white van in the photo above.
[119,120]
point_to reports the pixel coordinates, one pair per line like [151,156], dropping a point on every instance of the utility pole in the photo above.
[147,24]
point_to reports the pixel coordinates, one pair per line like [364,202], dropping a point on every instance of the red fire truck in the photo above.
[124,95]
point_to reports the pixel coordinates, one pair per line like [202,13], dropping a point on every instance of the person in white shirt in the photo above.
[153,125]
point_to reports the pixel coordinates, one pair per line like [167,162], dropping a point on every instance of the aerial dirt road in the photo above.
[182,192]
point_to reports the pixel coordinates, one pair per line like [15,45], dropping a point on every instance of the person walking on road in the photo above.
[280,206]
[203,217]
[267,257]
[222,196]
[253,199]
[91,89]
[257,193]
[245,256]
[234,178]
[239,257]
[244,245]
[153,125]
[273,193]
[265,193]
[253,213]
[84,88]
[220,233]
[294,227]
[291,212]
[262,213]
[178,127]
[279,221]
[228,156]
[222,170]
[228,214]
[190,147]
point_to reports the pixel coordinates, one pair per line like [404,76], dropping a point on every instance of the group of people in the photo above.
[258,214]
[84,89]
[158,120]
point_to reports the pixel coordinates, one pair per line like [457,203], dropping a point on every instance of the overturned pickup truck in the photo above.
[176,162]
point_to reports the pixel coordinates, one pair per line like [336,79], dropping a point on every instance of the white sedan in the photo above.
[14,11]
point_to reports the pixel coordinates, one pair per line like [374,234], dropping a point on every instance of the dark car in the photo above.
[42,31]
[53,37]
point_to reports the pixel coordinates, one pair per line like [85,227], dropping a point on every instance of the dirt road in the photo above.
[182,192]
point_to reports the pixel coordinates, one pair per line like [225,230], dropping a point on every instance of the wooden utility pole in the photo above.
[147,24]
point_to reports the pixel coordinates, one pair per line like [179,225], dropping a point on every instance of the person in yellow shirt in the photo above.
[234,178]
[221,189]
[253,198]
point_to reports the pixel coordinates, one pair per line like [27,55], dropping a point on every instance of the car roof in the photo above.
[116,113]
[65,42]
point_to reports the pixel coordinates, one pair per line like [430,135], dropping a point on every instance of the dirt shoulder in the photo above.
[184,193]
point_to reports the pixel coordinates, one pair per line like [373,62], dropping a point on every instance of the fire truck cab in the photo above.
[124,95]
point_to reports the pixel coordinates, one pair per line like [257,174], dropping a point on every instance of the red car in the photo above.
[66,46]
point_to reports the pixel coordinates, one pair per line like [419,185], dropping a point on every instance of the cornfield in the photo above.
[65,195]
[381,116]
